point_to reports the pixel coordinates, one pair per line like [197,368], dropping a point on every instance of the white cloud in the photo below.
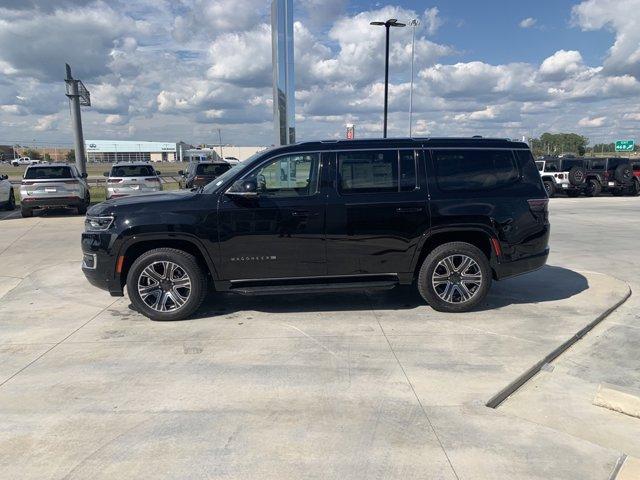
[592,122]
[432,21]
[46,123]
[562,64]
[528,22]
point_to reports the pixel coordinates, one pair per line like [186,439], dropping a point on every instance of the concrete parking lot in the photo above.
[341,386]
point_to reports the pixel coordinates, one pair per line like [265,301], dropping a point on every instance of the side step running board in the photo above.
[313,288]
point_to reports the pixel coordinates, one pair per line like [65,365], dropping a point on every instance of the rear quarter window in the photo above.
[475,170]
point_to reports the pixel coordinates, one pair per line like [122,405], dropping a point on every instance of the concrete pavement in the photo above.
[315,386]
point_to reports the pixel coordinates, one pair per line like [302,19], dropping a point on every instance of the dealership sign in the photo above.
[625,145]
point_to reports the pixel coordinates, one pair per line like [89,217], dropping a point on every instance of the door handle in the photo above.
[409,209]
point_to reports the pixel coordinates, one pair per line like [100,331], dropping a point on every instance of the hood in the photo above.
[142,202]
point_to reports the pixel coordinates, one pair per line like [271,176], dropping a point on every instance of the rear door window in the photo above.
[383,171]
[597,164]
[474,169]
[47,173]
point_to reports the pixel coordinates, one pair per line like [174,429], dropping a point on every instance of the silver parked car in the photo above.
[132,179]
[53,186]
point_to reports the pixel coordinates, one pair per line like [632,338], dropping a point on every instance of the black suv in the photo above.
[449,215]
[199,174]
[612,174]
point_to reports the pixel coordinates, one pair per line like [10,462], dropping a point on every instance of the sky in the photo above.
[182,69]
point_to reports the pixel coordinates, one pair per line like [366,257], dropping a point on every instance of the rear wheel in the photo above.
[550,188]
[455,277]
[82,209]
[166,284]
[593,188]
[26,212]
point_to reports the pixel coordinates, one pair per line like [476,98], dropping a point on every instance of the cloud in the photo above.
[432,21]
[561,64]
[528,22]
[620,16]
[46,123]
[592,122]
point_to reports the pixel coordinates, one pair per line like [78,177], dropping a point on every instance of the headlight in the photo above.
[97,224]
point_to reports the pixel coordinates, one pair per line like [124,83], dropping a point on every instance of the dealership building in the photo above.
[112,151]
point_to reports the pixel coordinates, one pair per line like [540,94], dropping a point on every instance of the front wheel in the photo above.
[550,188]
[166,284]
[455,277]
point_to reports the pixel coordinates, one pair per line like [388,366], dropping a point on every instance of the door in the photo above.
[377,212]
[280,232]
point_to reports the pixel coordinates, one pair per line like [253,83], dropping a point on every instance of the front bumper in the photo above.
[521,266]
[99,264]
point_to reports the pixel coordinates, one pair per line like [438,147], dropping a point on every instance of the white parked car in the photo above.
[53,186]
[126,179]
[16,162]
[7,195]
[231,160]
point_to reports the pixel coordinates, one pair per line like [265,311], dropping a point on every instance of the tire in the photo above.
[436,264]
[82,209]
[593,188]
[623,174]
[577,176]
[573,193]
[26,212]
[550,188]
[634,190]
[11,203]
[148,269]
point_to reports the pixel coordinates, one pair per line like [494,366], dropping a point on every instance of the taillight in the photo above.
[561,176]
[199,177]
[114,180]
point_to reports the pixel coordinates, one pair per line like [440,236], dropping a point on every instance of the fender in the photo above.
[483,228]
[132,240]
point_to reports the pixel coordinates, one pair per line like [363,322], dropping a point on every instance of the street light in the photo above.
[413,23]
[392,22]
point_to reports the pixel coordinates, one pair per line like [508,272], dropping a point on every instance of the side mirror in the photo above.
[158,172]
[243,188]
[84,175]
[106,174]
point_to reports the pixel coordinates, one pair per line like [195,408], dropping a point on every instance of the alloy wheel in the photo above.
[164,286]
[456,278]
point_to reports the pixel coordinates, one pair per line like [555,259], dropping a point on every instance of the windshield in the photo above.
[43,173]
[233,171]
[133,171]
[213,169]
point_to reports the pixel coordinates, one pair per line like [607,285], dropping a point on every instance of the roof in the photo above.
[44,165]
[131,164]
[462,142]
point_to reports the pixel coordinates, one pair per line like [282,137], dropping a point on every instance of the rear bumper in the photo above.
[520,266]
[51,202]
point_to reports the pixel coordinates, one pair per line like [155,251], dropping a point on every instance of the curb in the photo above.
[511,388]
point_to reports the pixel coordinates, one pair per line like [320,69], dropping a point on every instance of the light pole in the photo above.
[220,141]
[413,23]
[392,22]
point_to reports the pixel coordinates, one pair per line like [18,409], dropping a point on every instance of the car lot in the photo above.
[319,386]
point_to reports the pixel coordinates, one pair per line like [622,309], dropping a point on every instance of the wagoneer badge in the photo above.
[254,259]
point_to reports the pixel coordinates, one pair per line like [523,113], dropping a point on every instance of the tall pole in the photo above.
[76,121]
[392,22]
[386,81]
[220,140]
[414,23]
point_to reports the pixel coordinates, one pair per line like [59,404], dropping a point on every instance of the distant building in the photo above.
[112,151]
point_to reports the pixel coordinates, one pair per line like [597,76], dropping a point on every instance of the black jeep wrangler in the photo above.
[611,174]
[449,215]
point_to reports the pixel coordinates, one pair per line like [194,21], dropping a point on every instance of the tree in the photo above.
[32,154]
[47,157]
[559,143]
[71,155]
